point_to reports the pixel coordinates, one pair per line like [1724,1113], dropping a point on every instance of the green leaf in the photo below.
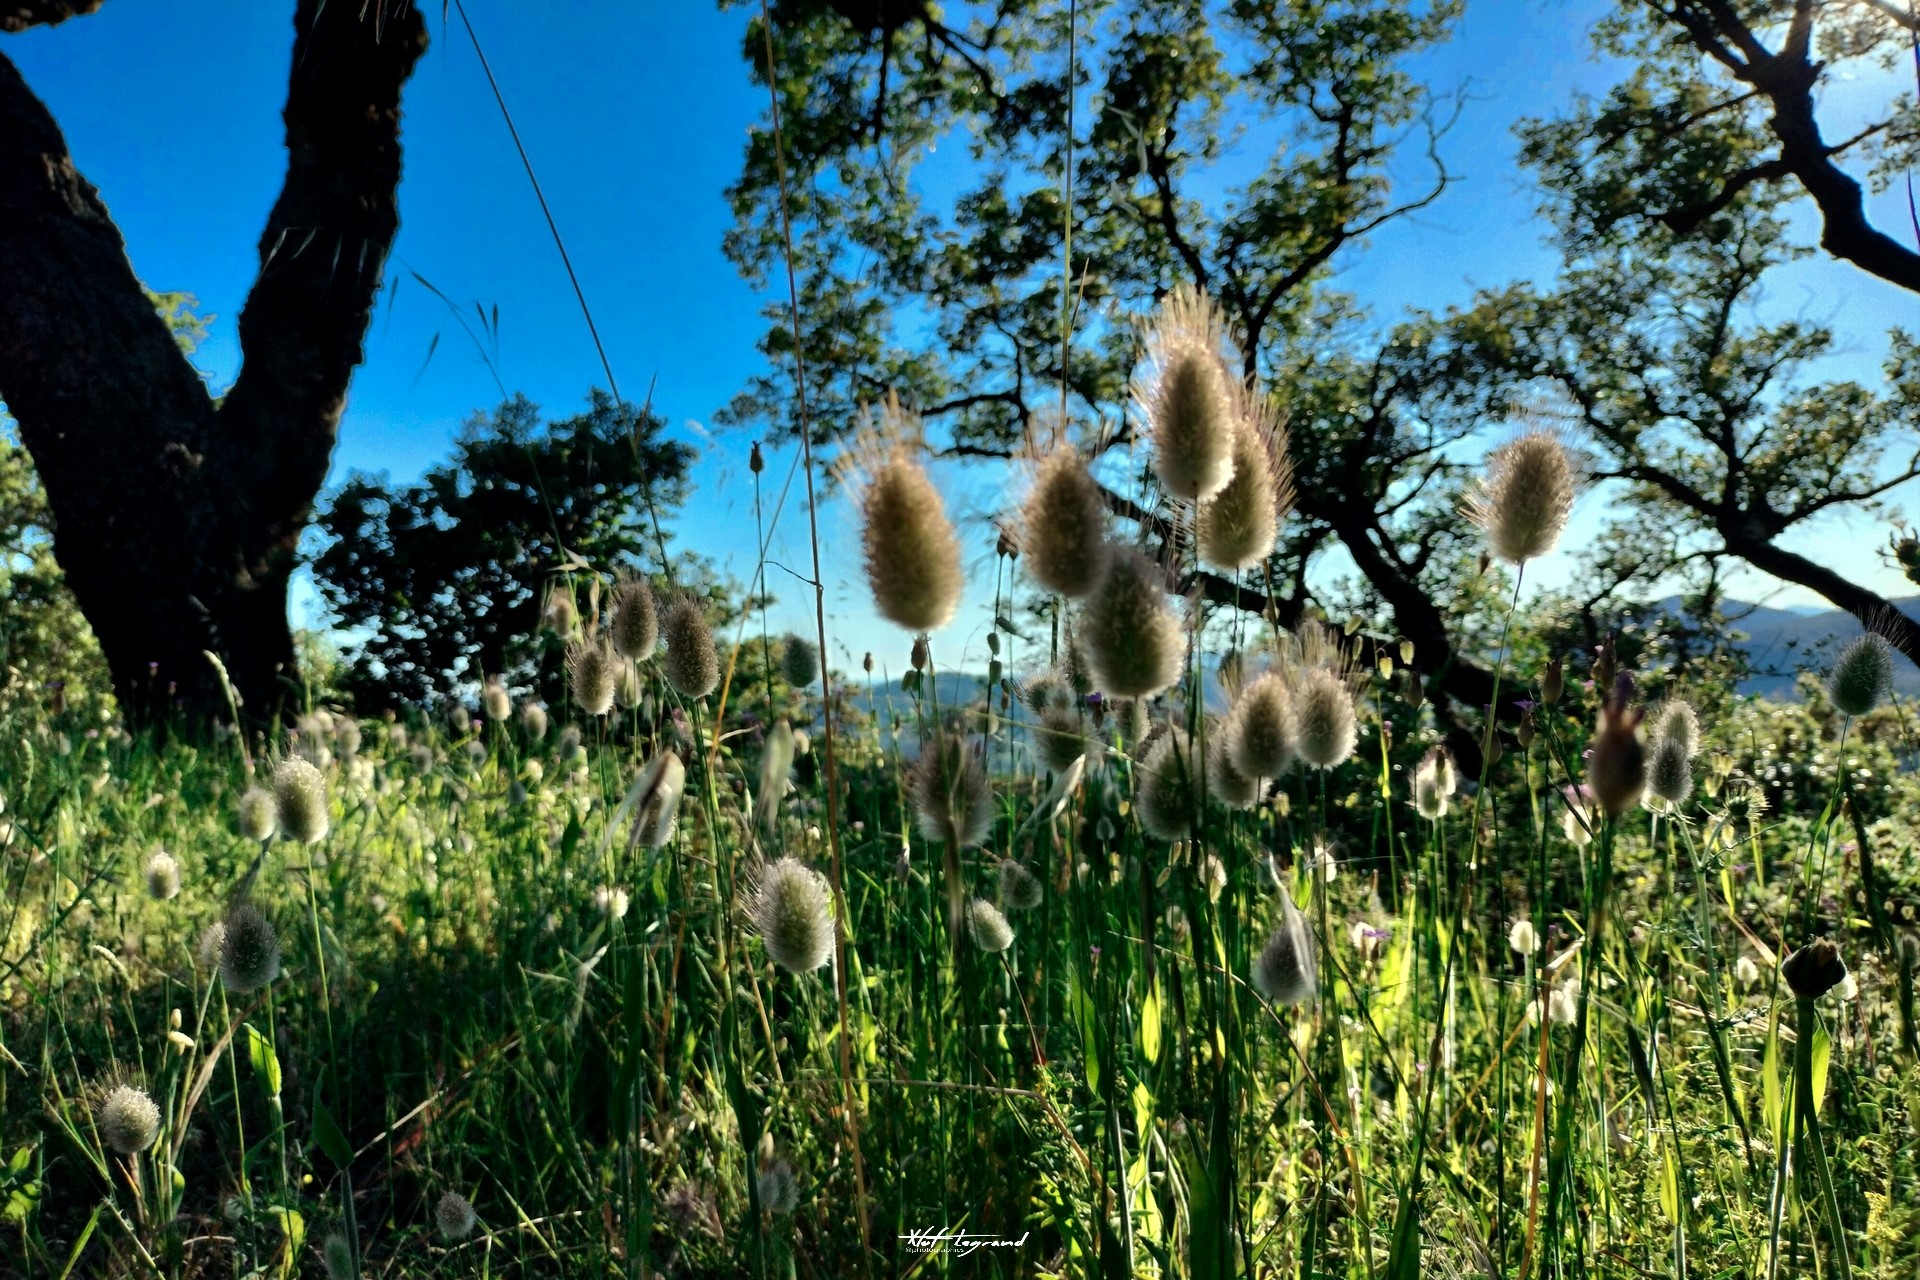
[266,1063]
[1822,1058]
[1150,1024]
[327,1136]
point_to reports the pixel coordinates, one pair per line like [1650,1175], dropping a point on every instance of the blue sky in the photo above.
[635,116]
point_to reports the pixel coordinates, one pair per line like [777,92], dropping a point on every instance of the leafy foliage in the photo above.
[442,581]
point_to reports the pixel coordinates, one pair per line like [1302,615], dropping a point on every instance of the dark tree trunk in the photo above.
[176,519]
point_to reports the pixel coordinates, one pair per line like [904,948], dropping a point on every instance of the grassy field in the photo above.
[1511,1045]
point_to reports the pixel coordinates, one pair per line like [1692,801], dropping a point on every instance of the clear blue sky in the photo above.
[636,115]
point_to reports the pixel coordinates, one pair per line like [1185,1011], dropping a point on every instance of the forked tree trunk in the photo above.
[176,518]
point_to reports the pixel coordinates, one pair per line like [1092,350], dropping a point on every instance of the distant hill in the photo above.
[1780,643]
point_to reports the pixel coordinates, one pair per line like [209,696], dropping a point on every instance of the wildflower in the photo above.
[611,902]
[128,1119]
[799,661]
[1285,970]
[691,665]
[1324,718]
[533,720]
[912,555]
[1433,784]
[560,615]
[948,788]
[163,876]
[1862,675]
[1164,793]
[593,669]
[1064,525]
[1020,889]
[1135,645]
[633,624]
[1671,776]
[792,908]
[496,701]
[301,794]
[1236,528]
[1563,1002]
[1525,497]
[249,949]
[1188,397]
[1745,972]
[989,928]
[1523,938]
[454,1216]
[1259,731]
[259,815]
[1060,738]
[1617,761]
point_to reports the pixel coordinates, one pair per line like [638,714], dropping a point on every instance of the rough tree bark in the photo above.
[177,518]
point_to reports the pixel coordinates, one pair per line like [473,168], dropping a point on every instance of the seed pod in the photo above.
[912,555]
[128,1119]
[1135,645]
[1285,970]
[948,788]
[1553,682]
[1862,675]
[1525,498]
[1020,889]
[691,665]
[633,623]
[163,876]
[454,1216]
[1617,762]
[1064,525]
[533,720]
[496,701]
[249,949]
[989,928]
[778,1186]
[1166,788]
[1324,718]
[1814,969]
[259,814]
[1671,777]
[799,661]
[1188,398]
[792,910]
[593,668]
[1259,732]
[300,792]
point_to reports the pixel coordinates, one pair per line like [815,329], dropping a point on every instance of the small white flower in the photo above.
[1523,937]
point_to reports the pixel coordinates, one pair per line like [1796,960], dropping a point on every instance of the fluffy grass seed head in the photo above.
[1433,784]
[1188,397]
[1064,524]
[163,876]
[249,949]
[633,624]
[259,814]
[1020,889]
[1670,778]
[799,661]
[1324,718]
[656,798]
[989,929]
[792,909]
[1236,528]
[1228,784]
[779,1187]
[692,665]
[1059,738]
[336,1258]
[1165,787]
[912,556]
[1862,675]
[948,787]
[560,615]
[128,1119]
[496,701]
[300,794]
[1259,731]
[1135,644]
[1523,938]
[630,688]
[533,721]
[1676,719]
[593,670]
[454,1216]
[1525,497]
[1285,970]
[1617,761]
